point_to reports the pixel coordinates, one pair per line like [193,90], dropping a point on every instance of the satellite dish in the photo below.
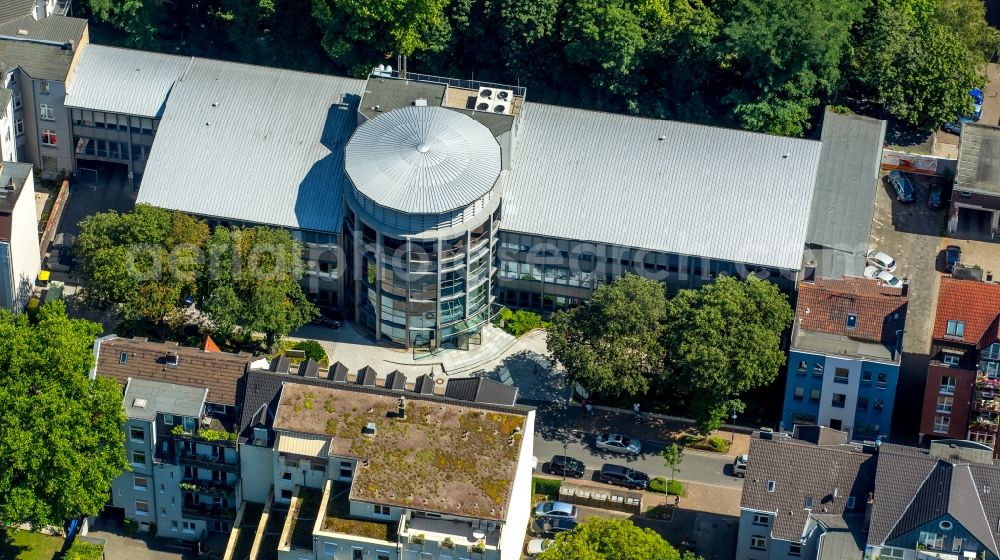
[478,534]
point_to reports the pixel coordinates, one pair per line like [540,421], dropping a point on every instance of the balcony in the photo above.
[208,488]
[302,515]
[338,518]
[204,511]
[207,462]
[215,434]
[421,532]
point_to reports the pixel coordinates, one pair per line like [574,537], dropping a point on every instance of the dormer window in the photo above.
[172,359]
[770,486]
[809,502]
[123,358]
[852,321]
[955,329]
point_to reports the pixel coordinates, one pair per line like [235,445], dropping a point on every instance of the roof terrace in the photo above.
[338,517]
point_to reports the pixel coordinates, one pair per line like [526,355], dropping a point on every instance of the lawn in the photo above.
[25,545]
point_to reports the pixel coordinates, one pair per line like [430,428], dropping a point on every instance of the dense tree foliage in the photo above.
[611,539]
[723,340]
[149,263]
[764,65]
[61,442]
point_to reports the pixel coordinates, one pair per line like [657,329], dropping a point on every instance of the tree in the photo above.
[61,442]
[723,340]
[133,17]
[672,458]
[611,539]
[919,66]
[611,345]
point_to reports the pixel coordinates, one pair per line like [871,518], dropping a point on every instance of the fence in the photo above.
[598,497]
[916,163]
[55,215]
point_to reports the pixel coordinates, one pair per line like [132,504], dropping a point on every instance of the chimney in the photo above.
[369,430]
[868,510]
[401,411]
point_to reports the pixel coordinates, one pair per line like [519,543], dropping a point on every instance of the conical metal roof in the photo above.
[423,160]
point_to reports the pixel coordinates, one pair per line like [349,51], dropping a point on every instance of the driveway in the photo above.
[911,234]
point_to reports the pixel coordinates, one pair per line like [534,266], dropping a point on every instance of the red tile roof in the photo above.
[823,306]
[209,345]
[977,304]
[219,372]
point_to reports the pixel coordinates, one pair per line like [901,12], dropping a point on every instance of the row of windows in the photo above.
[111,121]
[108,149]
[842,375]
[839,400]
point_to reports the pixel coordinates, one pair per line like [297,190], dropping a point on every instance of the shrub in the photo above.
[131,526]
[545,486]
[84,551]
[660,484]
[312,349]
[520,322]
[718,444]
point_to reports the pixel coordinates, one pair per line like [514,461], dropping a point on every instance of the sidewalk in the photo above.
[654,429]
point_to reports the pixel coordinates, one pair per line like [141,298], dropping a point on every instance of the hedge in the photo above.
[545,486]
[312,349]
[659,484]
[84,551]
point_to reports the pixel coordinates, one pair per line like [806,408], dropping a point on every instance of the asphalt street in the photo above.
[700,467]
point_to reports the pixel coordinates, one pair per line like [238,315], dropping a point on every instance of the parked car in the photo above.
[935,195]
[327,321]
[623,476]
[617,443]
[955,127]
[886,278]
[905,192]
[548,527]
[881,260]
[556,510]
[952,256]
[537,546]
[566,465]
[740,466]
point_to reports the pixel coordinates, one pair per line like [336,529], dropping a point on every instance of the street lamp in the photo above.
[565,457]
[732,434]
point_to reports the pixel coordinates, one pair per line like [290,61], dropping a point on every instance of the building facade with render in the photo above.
[20,259]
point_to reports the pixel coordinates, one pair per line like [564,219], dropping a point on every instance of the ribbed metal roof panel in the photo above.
[661,185]
[253,144]
[423,160]
[123,80]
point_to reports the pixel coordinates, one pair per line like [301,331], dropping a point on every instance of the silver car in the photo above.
[886,278]
[881,260]
[617,443]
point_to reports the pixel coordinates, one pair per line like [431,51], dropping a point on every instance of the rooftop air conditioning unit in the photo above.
[484,100]
[500,108]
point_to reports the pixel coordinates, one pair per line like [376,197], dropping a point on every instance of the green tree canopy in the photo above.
[723,340]
[611,539]
[611,345]
[61,442]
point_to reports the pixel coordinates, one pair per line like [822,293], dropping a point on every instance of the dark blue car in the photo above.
[903,187]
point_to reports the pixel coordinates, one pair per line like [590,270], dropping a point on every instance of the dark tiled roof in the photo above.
[820,435]
[281,364]
[800,470]
[481,390]
[367,376]
[396,381]
[43,53]
[338,372]
[262,389]
[823,306]
[977,304]
[219,372]
[14,9]
[913,488]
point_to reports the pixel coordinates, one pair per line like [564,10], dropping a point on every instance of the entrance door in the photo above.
[836,424]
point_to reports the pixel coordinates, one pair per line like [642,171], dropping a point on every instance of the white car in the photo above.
[886,278]
[881,260]
[537,546]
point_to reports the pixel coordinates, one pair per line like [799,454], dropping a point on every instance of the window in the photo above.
[19,127]
[141,507]
[46,112]
[345,469]
[817,370]
[140,482]
[173,526]
[889,552]
[879,405]
[956,544]
[799,393]
[188,526]
[759,519]
[955,329]
[123,358]
[49,138]
[770,486]
[795,550]
[757,542]
[841,375]
[839,400]
[944,404]
[17,100]
[329,548]
[809,502]
[852,321]
[814,395]
[866,378]
[286,494]
[951,360]
[882,381]
[286,476]
[357,553]
[138,458]
[947,385]
[189,424]
[382,510]
[382,555]
[43,86]
[942,424]
[803,368]
[850,502]
[931,540]
[862,403]
[168,420]
[137,433]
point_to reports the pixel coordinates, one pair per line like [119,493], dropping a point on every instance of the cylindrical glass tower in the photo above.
[420,226]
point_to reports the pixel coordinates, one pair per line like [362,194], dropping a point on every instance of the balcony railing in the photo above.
[216,463]
[208,488]
[202,511]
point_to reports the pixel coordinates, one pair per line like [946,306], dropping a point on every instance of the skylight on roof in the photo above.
[139,403]
[852,321]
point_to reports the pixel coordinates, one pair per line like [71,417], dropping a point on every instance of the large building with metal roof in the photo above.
[559,200]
